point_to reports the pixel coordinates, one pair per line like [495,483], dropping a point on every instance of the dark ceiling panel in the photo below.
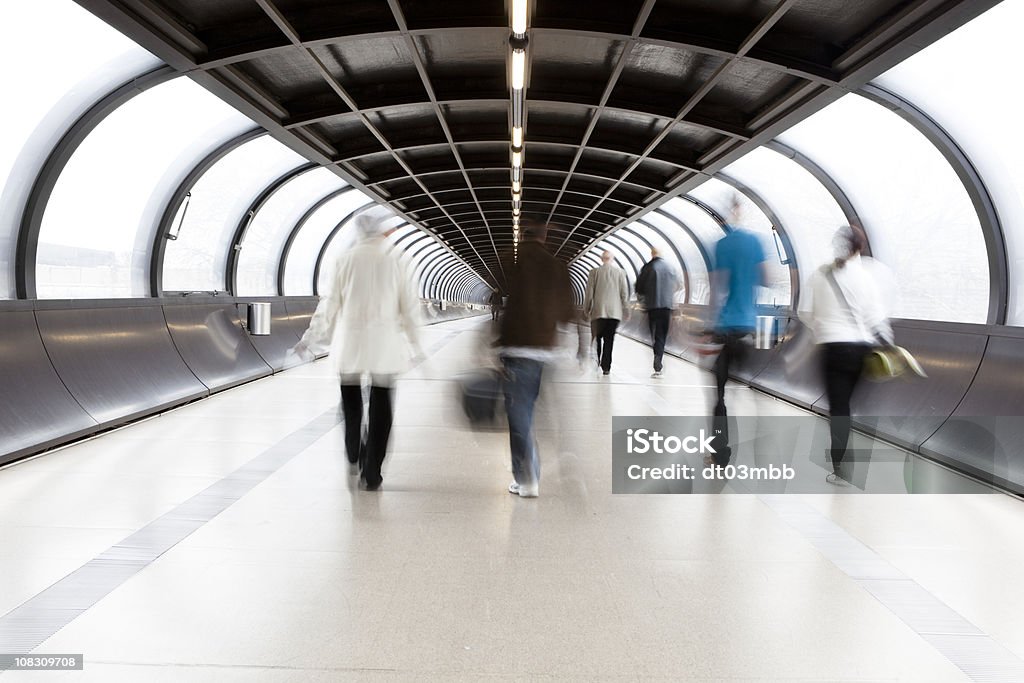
[547,120]
[661,79]
[313,19]
[375,72]
[615,16]
[625,130]
[289,75]
[710,24]
[429,14]
[405,126]
[575,68]
[747,87]
[837,23]
[466,64]
[203,16]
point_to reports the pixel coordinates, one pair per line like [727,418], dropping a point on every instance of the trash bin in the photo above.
[259,319]
[765,332]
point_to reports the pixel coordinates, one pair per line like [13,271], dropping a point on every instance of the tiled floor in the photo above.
[443,575]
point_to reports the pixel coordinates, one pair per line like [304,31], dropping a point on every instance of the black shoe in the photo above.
[607,372]
[367,486]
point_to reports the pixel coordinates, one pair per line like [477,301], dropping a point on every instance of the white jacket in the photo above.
[371,314]
[862,282]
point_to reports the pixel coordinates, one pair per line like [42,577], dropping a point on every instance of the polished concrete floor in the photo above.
[443,575]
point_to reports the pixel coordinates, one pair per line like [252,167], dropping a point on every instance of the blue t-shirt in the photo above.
[740,252]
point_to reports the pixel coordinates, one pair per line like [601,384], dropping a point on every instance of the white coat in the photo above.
[371,314]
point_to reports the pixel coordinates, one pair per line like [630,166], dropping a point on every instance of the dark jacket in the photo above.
[539,298]
[657,284]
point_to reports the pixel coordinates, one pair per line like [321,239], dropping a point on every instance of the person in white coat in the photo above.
[371,320]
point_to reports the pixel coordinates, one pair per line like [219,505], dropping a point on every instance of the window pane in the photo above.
[706,229]
[668,253]
[697,270]
[718,195]
[807,210]
[197,259]
[342,241]
[917,213]
[264,240]
[964,82]
[298,272]
[99,225]
[54,92]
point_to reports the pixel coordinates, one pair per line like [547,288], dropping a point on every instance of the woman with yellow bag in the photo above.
[845,308]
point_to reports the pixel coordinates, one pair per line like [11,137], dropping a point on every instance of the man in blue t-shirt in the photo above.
[739,271]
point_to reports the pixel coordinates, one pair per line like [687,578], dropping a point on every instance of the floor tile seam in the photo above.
[326,419]
[1012,662]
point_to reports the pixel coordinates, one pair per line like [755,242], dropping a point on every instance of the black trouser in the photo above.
[371,451]
[604,333]
[658,320]
[734,350]
[844,363]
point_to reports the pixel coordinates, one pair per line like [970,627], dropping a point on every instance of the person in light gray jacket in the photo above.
[605,304]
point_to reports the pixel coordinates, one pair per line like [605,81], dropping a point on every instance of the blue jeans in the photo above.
[522,385]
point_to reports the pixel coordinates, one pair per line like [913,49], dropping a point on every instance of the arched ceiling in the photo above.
[628,103]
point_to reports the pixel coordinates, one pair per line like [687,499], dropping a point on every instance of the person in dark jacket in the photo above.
[656,289]
[539,299]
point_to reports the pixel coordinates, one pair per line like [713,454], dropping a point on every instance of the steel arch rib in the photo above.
[431,271]
[293,234]
[27,245]
[760,203]
[231,260]
[974,184]
[675,250]
[327,242]
[163,229]
[426,269]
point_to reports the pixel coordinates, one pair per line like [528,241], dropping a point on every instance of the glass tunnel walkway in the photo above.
[227,540]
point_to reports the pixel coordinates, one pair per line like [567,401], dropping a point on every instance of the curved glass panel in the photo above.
[921,221]
[719,195]
[98,226]
[807,210]
[639,245]
[59,91]
[197,259]
[267,233]
[696,268]
[637,252]
[667,252]
[622,257]
[298,270]
[421,249]
[977,105]
[428,286]
[706,228]
[340,243]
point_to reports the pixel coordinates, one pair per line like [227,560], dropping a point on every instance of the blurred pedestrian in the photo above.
[496,302]
[846,310]
[371,319]
[605,304]
[656,289]
[539,299]
[738,272]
